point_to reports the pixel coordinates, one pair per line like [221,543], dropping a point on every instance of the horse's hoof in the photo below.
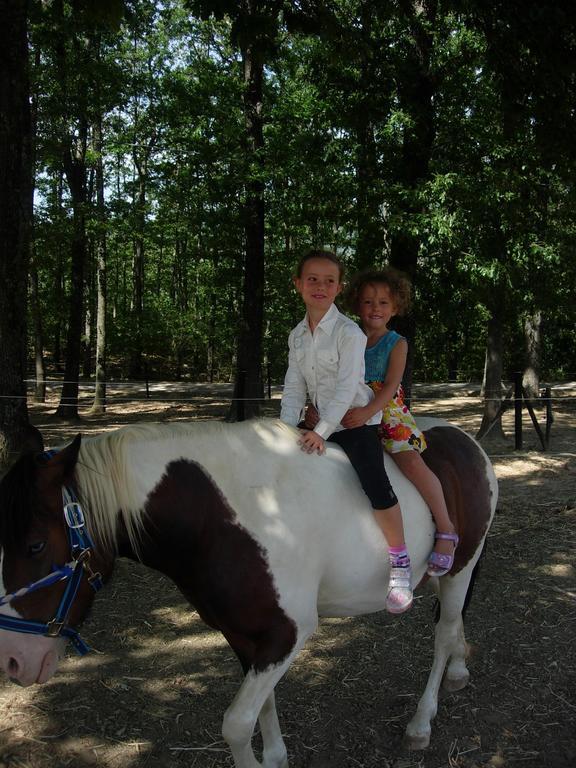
[453,684]
[417,741]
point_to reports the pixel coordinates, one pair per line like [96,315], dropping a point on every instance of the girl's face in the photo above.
[376,307]
[319,284]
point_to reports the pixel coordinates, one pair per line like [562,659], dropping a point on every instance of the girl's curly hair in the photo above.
[398,282]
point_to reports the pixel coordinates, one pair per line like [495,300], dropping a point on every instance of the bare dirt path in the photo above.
[153,693]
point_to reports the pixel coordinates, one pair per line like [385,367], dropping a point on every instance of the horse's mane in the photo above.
[105,484]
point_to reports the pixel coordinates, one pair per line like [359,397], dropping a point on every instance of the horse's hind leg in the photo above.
[449,646]
[457,675]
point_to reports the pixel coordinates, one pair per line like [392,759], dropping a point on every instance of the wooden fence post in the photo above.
[549,415]
[241,395]
[518,410]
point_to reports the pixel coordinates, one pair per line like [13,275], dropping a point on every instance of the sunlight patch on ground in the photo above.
[125,754]
[149,646]
[564,570]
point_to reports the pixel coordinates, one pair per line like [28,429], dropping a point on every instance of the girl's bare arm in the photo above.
[356,417]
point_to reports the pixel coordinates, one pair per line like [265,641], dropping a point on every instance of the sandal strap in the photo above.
[448,537]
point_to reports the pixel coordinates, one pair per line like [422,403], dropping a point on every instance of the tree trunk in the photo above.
[36,314]
[15,207]
[86,345]
[248,389]
[532,342]
[493,368]
[75,169]
[40,368]
[59,292]
[370,238]
[136,367]
[416,92]
[99,404]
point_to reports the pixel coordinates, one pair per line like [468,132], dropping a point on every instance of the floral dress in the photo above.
[398,430]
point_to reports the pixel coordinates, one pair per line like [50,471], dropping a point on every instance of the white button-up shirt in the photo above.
[328,365]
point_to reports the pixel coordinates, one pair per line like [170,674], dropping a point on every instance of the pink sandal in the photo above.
[438,563]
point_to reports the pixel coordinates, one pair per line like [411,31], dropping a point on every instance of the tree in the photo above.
[99,404]
[379,129]
[254,28]
[16,207]
[530,58]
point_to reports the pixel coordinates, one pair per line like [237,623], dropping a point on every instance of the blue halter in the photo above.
[81,547]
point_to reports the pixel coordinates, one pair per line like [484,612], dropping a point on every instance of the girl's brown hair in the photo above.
[319,254]
[398,283]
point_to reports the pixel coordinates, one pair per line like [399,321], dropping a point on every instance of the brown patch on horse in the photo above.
[195,538]
[460,466]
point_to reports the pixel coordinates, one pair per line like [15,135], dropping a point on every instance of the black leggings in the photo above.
[364,450]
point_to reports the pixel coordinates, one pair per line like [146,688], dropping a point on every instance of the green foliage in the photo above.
[491,210]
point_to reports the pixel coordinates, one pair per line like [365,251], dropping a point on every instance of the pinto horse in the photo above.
[261,539]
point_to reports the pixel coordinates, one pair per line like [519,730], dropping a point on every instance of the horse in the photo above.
[261,538]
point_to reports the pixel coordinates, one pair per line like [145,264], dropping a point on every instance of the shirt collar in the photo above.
[326,324]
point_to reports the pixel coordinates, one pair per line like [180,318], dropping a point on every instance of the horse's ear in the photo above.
[33,441]
[63,463]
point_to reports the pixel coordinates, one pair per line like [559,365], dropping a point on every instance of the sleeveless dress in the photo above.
[398,430]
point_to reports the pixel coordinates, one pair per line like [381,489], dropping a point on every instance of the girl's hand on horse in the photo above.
[355,417]
[311,442]
[311,417]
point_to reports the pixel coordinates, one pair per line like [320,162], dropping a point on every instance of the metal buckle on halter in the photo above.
[82,556]
[94,577]
[53,628]
[73,515]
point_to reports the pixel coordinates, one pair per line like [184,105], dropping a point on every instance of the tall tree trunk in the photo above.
[416,92]
[36,313]
[15,207]
[532,347]
[370,239]
[59,292]
[39,366]
[99,404]
[136,366]
[248,388]
[87,336]
[493,368]
[89,301]
[75,169]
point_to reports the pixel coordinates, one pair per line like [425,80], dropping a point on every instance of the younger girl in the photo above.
[326,364]
[377,297]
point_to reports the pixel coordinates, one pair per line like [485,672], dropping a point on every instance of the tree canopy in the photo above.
[433,135]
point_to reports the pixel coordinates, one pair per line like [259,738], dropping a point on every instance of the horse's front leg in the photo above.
[274,753]
[255,699]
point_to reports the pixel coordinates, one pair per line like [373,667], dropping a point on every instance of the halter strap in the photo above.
[81,546]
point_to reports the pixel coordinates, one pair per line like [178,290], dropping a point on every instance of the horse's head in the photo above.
[35,558]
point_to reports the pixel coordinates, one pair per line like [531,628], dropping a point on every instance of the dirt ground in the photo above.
[153,692]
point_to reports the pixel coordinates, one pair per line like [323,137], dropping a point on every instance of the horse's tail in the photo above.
[471,584]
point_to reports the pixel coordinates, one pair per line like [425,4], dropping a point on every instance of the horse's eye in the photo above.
[37,547]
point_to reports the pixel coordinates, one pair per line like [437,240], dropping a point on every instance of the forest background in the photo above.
[164,164]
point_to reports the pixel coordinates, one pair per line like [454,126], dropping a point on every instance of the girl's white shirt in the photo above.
[328,366]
